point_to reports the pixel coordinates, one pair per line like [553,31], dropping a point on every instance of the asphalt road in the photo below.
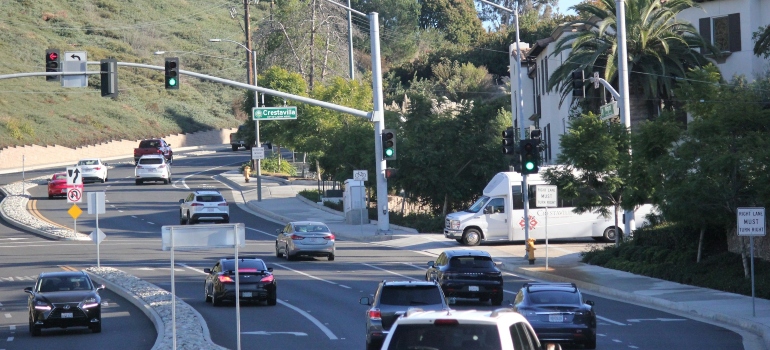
[317,300]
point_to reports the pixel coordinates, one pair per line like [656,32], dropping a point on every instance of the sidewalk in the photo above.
[281,203]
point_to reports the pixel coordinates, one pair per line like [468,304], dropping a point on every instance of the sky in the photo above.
[565,4]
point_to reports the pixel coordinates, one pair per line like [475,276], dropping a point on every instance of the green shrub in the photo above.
[313,195]
[272,165]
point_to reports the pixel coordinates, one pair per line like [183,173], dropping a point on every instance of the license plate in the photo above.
[64,191]
[66,315]
[247,294]
[473,288]
[556,318]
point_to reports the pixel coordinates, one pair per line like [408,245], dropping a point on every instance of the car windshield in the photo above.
[66,283]
[410,295]
[310,228]
[478,205]
[554,297]
[244,265]
[450,337]
[60,177]
[465,262]
[145,161]
[149,144]
[209,198]
[88,162]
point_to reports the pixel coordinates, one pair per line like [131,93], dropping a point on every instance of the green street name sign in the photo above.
[274,113]
[609,110]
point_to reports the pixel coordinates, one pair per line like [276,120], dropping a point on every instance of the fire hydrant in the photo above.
[531,250]
[246,172]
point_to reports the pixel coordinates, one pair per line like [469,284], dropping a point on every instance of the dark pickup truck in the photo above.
[154,146]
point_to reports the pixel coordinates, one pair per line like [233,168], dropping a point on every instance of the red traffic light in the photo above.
[53,56]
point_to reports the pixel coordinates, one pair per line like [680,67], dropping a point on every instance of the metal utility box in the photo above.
[354,202]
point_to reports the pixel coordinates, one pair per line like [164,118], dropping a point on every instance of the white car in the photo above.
[152,168]
[501,329]
[93,169]
[204,205]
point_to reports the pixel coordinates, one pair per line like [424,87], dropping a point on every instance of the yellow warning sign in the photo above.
[75,211]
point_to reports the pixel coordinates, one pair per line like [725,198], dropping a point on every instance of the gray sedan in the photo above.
[304,238]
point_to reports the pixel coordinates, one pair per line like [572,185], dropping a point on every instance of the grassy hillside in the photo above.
[33,111]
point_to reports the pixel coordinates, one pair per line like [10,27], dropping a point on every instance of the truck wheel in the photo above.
[235,147]
[609,234]
[471,237]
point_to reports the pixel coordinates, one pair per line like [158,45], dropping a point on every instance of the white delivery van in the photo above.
[499,216]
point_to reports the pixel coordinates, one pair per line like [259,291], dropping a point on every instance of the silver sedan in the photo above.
[304,238]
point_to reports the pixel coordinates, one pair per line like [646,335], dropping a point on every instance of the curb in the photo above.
[753,327]
[26,228]
[133,299]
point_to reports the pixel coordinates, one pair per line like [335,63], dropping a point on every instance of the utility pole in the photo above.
[247,26]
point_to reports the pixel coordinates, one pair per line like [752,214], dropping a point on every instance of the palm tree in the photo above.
[762,42]
[661,49]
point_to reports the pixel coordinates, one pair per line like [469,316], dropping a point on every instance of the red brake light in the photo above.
[225,279]
[375,314]
[296,237]
[267,279]
[158,151]
[139,167]
[329,237]
[445,322]
[222,204]
[196,205]
[162,166]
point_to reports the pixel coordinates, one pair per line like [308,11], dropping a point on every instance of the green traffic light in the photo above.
[172,82]
[529,165]
[388,152]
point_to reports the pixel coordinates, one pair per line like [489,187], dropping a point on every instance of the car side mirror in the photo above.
[270,269]
[100,287]
[207,270]
[181,201]
[431,264]
[590,302]
[365,301]
[488,210]
[28,290]
[451,300]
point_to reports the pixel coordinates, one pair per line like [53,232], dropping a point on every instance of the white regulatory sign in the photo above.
[751,221]
[73,176]
[547,196]
[257,153]
[74,195]
[361,175]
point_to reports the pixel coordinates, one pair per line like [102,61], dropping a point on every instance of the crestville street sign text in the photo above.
[274,113]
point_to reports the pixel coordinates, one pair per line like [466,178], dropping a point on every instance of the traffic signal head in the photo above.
[52,64]
[530,157]
[388,144]
[577,84]
[509,149]
[109,77]
[172,73]
[390,173]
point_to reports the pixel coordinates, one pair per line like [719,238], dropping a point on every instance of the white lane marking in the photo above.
[12,327]
[120,211]
[610,321]
[7,315]
[10,338]
[306,274]
[133,216]
[262,232]
[182,181]
[152,223]
[315,321]
[299,334]
[390,272]
[1,304]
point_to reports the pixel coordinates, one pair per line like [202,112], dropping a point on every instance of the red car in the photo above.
[57,185]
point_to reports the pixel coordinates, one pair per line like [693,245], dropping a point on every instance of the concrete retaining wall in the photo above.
[11,157]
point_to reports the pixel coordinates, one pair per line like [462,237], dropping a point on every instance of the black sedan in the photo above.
[256,280]
[467,274]
[64,299]
[557,313]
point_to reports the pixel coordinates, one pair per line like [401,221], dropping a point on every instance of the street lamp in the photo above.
[256,104]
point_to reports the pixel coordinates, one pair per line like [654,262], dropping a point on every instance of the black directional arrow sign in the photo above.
[74,56]
[73,176]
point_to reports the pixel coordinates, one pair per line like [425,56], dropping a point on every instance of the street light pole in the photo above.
[256,104]
[625,108]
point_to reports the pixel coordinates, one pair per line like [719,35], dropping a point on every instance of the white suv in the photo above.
[203,206]
[152,168]
[501,329]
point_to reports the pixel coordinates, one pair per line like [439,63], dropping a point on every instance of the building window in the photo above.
[723,32]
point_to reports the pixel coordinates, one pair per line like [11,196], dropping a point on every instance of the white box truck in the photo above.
[499,216]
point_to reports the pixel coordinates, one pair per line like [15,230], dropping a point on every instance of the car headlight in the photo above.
[42,305]
[89,303]
[454,224]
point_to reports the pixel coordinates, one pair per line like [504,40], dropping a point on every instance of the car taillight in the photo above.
[375,314]
[162,166]
[196,205]
[222,204]
[158,151]
[98,168]
[296,237]
[225,279]
[446,322]
[329,237]
[139,167]
[267,279]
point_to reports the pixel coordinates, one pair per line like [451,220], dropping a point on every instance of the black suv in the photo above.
[558,313]
[393,299]
[467,274]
